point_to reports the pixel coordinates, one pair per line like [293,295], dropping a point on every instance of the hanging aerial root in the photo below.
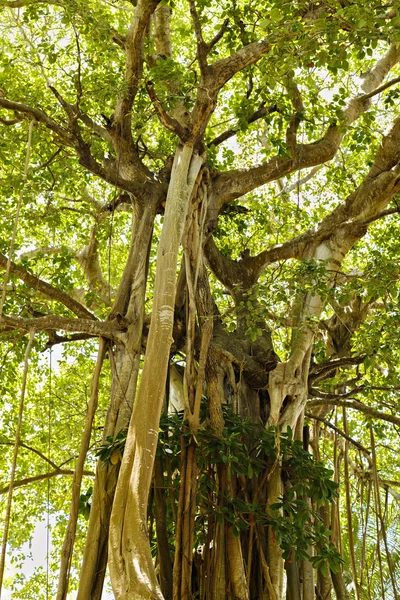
[68,546]
[15,456]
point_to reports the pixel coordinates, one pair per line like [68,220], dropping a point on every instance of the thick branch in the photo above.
[229,272]
[215,76]
[133,70]
[350,220]
[40,116]
[106,329]
[233,184]
[224,69]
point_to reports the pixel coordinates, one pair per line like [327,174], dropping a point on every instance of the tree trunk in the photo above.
[131,565]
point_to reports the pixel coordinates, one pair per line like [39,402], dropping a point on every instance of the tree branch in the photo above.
[323,370]
[344,435]
[218,36]
[121,123]
[35,478]
[97,129]
[31,449]
[40,116]
[233,184]
[261,112]
[215,76]
[47,289]
[229,272]
[105,329]
[22,3]
[355,405]
[55,339]
[168,122]
[200,43]
[223,70]
[349,221]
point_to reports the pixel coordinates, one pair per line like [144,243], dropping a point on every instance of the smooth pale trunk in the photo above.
[131,565]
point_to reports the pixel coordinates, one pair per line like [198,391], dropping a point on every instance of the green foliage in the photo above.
[250,450]
[325,48]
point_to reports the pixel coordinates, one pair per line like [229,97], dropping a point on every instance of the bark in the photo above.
[131,566]
[237,576]
[275,560]
[339,586]
[164,558]
[54,322]
[293,581]
[125,367]
[349,512]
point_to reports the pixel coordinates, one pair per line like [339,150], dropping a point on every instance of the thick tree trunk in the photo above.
[131,565]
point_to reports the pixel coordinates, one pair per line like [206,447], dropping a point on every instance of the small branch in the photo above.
[219,35]
[95,127]
[315,393]
[297,184]
[380,215]
[31,449]
[355,405]
[47,162]
[201,45]
[9,122]
[168,122]
[23,3]
[39,116]
[323,370]
[55,339]
[382,88]
[69,109]
[26,481]
[363,449]
[261,112]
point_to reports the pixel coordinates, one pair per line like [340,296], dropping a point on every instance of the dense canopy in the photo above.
[199,313]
